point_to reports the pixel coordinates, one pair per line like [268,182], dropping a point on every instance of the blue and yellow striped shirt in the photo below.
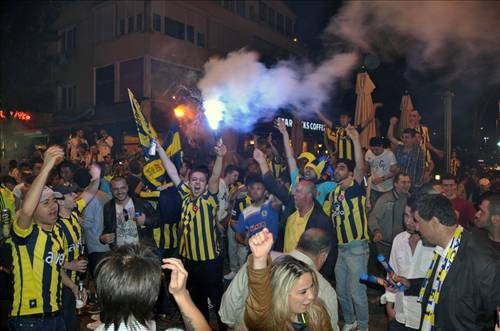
[73,236]
[198,240]
[166,233]
[344,148]
[239,205]
[348,213]
[37,257]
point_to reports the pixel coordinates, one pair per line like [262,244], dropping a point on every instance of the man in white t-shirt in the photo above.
[127,219]
[382,163]
[126,228]
[21,189]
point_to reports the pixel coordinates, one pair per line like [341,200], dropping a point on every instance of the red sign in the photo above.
[17,115]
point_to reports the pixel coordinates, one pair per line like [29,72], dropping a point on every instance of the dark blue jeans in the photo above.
[71,320]
[37,324]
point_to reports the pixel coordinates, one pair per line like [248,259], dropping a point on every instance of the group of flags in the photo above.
[154,173]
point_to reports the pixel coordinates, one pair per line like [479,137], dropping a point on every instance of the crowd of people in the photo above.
[277,242]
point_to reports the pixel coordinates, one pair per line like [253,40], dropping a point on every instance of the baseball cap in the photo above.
[63,189]
[47,192]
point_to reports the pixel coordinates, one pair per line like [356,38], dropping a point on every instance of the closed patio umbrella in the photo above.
[406,107]
[364,107]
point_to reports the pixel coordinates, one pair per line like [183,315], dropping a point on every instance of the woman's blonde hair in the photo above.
[285,272]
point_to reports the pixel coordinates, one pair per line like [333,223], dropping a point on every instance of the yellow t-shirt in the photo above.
[7,201]
[295,227]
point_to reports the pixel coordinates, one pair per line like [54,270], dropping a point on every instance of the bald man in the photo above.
[302,212]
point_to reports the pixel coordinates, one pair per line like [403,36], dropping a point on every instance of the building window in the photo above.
[68,41]
[200,39]
[190,33]
[174,28]
[121,29]
[131,24]
[240,8]
[139,23]
[288,26]
[262,11]
[280,23]
[68,97]
[229,4]
[156,22]
[251,13]
[131,77]
[105,86]
[270,17]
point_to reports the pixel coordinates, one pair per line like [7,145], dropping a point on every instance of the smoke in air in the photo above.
[461,39]
[238,90]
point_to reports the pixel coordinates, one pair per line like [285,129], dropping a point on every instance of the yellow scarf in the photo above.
[429,314]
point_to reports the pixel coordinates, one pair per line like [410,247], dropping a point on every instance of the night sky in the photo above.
[393,78]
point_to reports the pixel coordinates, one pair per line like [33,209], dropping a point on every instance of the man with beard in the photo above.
[199,245]
[460,290]
[348,214]
[127,219]
[488,218]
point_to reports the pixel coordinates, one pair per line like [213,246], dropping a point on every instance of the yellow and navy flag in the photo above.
[144,130]
[154,174]
[172,145]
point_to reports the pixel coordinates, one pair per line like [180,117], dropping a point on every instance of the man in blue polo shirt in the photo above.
[259,215]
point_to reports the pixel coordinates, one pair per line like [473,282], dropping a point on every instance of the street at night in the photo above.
[249,165]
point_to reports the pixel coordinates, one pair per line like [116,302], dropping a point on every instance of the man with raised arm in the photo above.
[343,145]
[311,172]
[348,214]
[71,207]
[38,255]
[199,245]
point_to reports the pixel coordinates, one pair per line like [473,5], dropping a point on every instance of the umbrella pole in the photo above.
[448,107]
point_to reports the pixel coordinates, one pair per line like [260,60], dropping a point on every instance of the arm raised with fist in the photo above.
[52,157]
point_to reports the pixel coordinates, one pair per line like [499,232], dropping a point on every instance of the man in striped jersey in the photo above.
[348,214]
[71,206]
[199,245]
[38,256]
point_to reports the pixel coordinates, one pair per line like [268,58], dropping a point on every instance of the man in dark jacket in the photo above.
[302,212]
[460,291]
[127,220]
